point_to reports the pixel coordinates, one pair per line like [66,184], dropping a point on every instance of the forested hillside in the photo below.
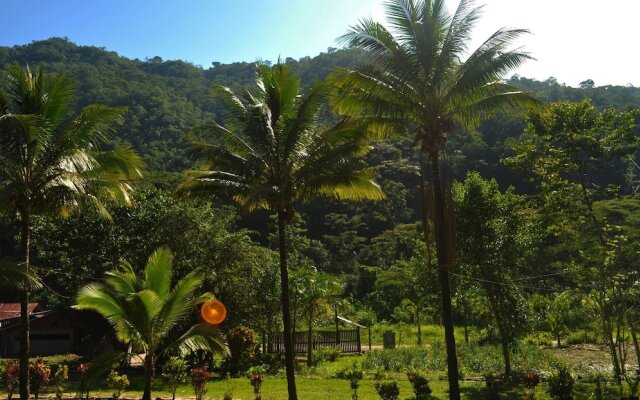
[367,241]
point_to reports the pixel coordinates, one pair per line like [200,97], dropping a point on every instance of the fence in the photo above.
[347,340]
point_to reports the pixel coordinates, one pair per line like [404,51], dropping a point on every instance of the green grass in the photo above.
[311,388]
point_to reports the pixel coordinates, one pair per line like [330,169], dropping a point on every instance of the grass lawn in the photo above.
[309,388]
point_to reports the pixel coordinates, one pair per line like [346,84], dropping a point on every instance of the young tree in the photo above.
[147,311]
[273,154]
[314,290]
[51,163]
[490,234]
[419,78]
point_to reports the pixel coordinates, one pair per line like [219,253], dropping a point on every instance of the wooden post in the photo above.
[358,340]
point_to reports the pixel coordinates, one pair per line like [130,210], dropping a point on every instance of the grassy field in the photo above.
[309,388]
[320,382]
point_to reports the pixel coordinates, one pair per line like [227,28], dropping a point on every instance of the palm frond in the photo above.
[158,272]
[200,337]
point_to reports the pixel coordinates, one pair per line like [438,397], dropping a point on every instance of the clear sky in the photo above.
[573,40]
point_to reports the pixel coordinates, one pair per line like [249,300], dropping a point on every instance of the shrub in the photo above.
[388,390]
[256,377]
[81,370]
[60,378]
[560,384]
[530,380]
[272,363]
[10,376]
[322,354]
[493,385]
[420,384]
[39,374]
[117,383]
[354,375]
[242,350]
[399,359]
[199,378]
[583,336]
[175,371]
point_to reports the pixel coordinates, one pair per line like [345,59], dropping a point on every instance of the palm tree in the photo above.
[48,166]
[147,313]
[419,78]
[276,155]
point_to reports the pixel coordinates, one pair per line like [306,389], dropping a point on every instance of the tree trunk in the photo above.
[24,311]
[558,339]
[634,337]
[309,338]
[443,248]
[148,376]
[507,356]
[289,355]
[369,329]
[466,332]
[419,326]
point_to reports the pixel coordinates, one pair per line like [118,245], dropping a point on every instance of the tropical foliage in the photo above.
[148,313]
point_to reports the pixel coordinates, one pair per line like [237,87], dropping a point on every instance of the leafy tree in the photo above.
[148,313]
[557,314]
[418,77]
[565,148]
[274,154]
[490,234]
[50,164]
[314,290]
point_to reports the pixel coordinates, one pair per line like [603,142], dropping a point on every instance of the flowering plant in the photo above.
[10,375]
[199,378]
[420,384]
[39,375]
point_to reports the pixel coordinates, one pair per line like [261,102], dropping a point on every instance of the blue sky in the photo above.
[572,40]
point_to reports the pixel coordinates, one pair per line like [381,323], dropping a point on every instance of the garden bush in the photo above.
[420,384]
[323,354]
[256,378]
[354,375]
[10,376]
[388,390]
[39,375]
[398,360]
[175,372]
[60,377]
[242,350]
[199,378]
[117,383]
[560,384]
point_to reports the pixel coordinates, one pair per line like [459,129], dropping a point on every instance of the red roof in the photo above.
[12,310]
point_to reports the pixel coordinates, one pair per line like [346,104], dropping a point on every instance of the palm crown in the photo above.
[273,153]
[417,73]
[148,313]
[49,163]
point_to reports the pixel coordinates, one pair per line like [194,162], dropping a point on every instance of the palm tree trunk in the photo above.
[24,310]
[148,367]
[289,356]
[442,248]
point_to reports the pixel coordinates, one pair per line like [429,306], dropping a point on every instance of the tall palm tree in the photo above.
[51,163]
[419,78]
[146,312]
[272,154]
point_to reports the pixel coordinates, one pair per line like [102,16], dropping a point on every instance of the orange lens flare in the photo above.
[213,312]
